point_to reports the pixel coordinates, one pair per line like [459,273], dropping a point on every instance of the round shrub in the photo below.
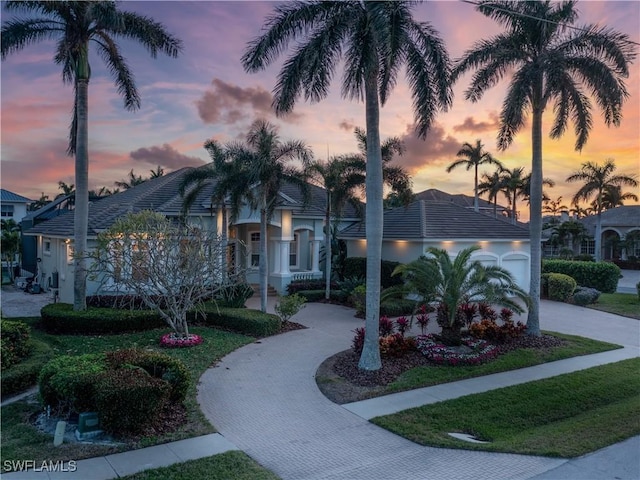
[14,343]
[129,399]
[157,365]
[560,286]
[67,383]
[585,296]
[601,275]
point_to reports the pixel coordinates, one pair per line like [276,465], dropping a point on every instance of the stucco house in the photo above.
[410,231]
[13,206]
[617,224]
[295,233]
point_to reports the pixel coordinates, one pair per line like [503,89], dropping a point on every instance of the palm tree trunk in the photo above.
[264,274]
[476,205]
[327,249]
[81,212]
[535,219]
[370,357]
[598,239]
[224,237]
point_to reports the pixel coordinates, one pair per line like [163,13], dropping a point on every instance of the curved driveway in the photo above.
[263,398]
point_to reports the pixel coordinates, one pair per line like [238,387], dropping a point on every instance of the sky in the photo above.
[205,94]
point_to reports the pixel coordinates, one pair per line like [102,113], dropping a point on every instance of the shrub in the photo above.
[583,257]
[585,296]
[288,306]
[25,374]
[129,399]
[315,284]
[385,326]
[561,286]
[357,267]
[312,295]
[358,299]
[158,365]
[242,320]
[397,307]
[14,343]
[600,275]
[67,383]
[396,345]
[62,319]
[489,330]
[234,295]
[486,312]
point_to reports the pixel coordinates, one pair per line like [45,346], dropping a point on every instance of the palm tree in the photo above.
[552,65]
[41,202]
[76,25]
[66,189]
[132,181]
[453,283]
[158,172]
[513,185]
[492,186]
[598,179]
[554,207]
[613,197]
[472,157]
[374,39]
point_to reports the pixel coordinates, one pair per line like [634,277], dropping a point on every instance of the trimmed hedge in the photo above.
[315,284]
[397,307]
[14,342]
[25,374]
[602,276]
[61,319]
[560,286]
[585,296]
[357,267]
[241,320]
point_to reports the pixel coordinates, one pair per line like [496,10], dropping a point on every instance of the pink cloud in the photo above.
[165,156]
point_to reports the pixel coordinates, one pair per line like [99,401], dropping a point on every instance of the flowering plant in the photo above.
[174,340]
[481,351]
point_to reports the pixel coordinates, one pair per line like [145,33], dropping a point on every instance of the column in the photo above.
[315,257]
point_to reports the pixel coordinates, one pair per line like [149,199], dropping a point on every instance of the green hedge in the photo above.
[397,307]
[14,342]
[241,320]
[60,318]
[25,374]
[357,267]
[560,286]
[602,276]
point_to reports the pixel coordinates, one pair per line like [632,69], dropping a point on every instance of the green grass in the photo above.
[625,304]
[19,438]
[434,375]
[230,465]
[564,416]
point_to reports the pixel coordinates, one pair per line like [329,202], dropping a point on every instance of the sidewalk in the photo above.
[263,400]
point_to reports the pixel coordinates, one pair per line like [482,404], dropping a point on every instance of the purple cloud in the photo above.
[165,156]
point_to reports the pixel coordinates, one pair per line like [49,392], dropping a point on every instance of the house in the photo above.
[295,233]
[13,206]
[409,231]
[617,223]
[462,200]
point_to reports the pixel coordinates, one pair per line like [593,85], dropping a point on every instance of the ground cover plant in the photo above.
[564,416]
[625,304]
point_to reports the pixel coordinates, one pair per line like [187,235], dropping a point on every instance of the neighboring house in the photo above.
[461,200]
[295,233]
[410,231]
[13,206]
[617,223]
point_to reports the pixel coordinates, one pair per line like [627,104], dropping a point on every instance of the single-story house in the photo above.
[617,223]
[410,231]
[13,206]
[295,233]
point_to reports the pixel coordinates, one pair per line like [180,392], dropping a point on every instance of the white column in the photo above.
[284,257]
[315,257]
[276,249]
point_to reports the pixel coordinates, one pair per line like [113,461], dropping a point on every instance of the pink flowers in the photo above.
[481,351]
[174,340]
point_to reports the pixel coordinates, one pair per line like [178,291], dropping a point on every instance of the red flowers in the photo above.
[175,340]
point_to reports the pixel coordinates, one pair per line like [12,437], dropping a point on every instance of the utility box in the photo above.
[88,426]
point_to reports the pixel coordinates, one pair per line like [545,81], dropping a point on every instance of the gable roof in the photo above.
[624,216]
[9,197]
[433,194]
[438,220]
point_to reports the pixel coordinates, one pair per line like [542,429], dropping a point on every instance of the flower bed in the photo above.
[173,340]
[436,352]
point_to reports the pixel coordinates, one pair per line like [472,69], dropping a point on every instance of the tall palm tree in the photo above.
[598,179]
[613,197]
[132,181]
[472,157]
[374,39]
[492,186]
[553,65]
[76,25]
[513,185]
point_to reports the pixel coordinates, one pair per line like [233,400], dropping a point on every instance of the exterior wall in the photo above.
[511,255]
[19,211]
[55,255]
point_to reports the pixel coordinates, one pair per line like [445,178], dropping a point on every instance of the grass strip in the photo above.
[564,416]
[625,304]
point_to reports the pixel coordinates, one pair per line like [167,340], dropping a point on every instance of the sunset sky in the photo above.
[206,94]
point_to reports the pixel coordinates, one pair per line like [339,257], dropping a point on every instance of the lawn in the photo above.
[625,304]
[564,416]
[20,440]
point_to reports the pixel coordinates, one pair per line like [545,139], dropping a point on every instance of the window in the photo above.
[46,248]
[70,252]
[254,245]
[293,251]
[6,211]
[588,247]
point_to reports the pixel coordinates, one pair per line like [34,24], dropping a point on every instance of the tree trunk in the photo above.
[327,249]
[535,215]
[264,274]
[598,239]
[81,212]
[370,357]
[451,336]
[476,205]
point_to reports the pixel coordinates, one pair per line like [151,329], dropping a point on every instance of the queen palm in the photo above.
[374,39]
[552,65]
[472,157]
[598,179]
[492,186]
[77,25]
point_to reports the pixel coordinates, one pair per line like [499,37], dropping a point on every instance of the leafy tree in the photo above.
[472,157]
[171,266]
[10,237]
[451,283]
[554,66]
[76,25]
[599,181]
[374,39]
[570,233]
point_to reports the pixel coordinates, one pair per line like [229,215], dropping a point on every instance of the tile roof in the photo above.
[10,197]
[441,220]
[624,216]
[459,199]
